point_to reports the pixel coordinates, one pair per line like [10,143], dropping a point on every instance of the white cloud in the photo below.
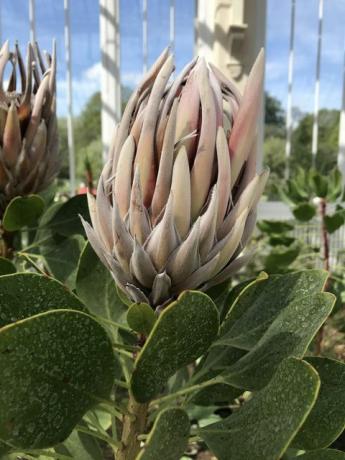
[83,88]
[276,70]
[87,84]
[93,72]
[131,79]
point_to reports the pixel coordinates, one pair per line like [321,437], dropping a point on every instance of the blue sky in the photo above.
[86,54]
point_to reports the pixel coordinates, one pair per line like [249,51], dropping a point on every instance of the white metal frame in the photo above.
[317,85]
[289,119]
[70,131]
[32,20]
[110,73]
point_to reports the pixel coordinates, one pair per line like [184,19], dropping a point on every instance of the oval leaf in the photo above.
[169,436]
[289,335]
[327,419]
[66,220]
[80,446]
[304,212]
[23,212]
[263,428]
[6,267]
[323,454]
[141,318]
[61,256]
[274,226]
[97,288]
[54,367]
[182,333]
[26,294]
[335,221]
[261,302]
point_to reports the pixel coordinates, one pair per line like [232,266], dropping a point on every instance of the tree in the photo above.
[274,145]
[88,124]
[326,158]
[274,117]
[87,137]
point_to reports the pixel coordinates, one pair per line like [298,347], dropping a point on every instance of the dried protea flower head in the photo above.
[176,200]
[28,126]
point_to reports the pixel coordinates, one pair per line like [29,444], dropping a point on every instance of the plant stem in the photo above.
[31,262]
[48,453]
[98,435]
[120,383]
[132,428]
[188,390]
[326,264]
[113,323]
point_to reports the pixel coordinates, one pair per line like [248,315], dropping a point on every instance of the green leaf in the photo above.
[274,226]
[261,302]
[304,212]
[54,367]
[263,428]
[66,220]
[335,189]
[334,222]
[61,256]
[320,184]
[26,294]
[141,318]
[285,196]
[281,257]
[98,417]
[6,267]
[289,335]
[80,446]
[327,419]
[183,332]
[219,294]
[238,291]
[4,449]
[97,288]
[324,454]
[219,394]
[22,212]
[169,436]
[281,240]
[218,360]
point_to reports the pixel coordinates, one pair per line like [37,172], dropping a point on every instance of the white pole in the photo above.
[172,25]
[0,24]
[341,153]
[110,73]
[289,120]
[317,86]
[144,36]
[70,133]
[32,21]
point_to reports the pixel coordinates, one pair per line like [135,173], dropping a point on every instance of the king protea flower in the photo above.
[28,126]
[176,200]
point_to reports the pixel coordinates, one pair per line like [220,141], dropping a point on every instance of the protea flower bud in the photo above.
[28,126]
[176,200]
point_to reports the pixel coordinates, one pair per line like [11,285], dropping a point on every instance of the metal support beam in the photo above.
[341,153]
[32,20]
[317,86]
[110,74]
[145,53]
[70,132]
[0,22]
[172,25]
[289,120]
